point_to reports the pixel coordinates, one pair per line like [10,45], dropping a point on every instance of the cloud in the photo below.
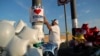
[81,4]
[94,22]
[18,2]
[88,11]
[61,16]
[78,4]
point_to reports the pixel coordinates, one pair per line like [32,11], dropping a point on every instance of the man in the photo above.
[54,31]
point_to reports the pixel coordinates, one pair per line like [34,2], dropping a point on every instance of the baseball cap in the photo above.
[55,20]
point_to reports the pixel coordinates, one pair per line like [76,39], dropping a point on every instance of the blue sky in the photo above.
[88,11]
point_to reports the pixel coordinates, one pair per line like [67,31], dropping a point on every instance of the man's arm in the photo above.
[47,23]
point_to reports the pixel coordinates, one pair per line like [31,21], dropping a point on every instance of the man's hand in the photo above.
[47,23]
[45,20]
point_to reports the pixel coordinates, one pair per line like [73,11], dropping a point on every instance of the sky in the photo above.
[88,11]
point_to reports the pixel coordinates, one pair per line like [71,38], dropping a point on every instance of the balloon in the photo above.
[17,46]
[9,22]
[40,30]
[20,26]
[7,31]
[29,34]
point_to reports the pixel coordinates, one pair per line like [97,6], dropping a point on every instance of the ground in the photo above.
[64,50]
[63,38]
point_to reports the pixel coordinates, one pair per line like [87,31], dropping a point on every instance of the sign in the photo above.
[36,15]
[37,11]
[62,2]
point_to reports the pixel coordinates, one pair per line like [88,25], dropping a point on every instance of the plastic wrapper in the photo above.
[34,52]
[20,26]
[9,22]
[7,31]
[29,34]
[17,46]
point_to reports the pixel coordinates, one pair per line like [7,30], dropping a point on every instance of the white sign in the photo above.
[37,14]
